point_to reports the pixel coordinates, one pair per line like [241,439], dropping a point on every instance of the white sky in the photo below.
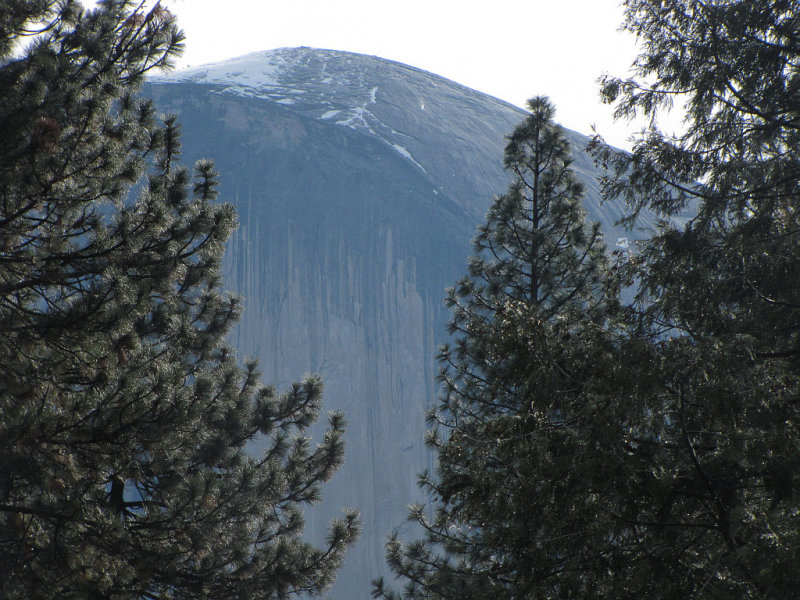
[511,49]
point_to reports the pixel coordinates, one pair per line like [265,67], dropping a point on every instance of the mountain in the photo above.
[359,184]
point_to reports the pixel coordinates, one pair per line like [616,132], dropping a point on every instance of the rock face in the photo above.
[359,183]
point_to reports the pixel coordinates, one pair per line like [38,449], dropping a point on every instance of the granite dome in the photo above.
[359,183]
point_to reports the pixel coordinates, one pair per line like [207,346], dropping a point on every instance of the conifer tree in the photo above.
[124,415]
[714,504]
[684,480]
[518,434]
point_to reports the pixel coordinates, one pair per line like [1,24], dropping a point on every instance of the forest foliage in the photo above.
[124,414]
[591,448]
[586,447]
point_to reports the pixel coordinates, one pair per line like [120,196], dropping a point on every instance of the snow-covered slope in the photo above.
[343,88]
[359,183]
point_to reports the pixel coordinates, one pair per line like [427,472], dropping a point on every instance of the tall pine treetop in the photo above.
[517,410]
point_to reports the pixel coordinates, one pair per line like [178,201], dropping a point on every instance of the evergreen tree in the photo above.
[715,502]
[652,452]
[519,433]
[123,413]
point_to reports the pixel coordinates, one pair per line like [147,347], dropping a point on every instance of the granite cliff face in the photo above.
[359,183]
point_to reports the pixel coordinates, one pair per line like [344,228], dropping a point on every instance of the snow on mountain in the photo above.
[252,75]
[331,85]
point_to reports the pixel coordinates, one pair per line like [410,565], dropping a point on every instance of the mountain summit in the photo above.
[415,113]
[359,183]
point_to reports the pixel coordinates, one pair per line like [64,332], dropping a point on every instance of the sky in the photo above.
[510,49]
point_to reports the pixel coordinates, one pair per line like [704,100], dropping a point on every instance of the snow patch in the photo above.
[407,154]
[260,68]
[272,75]
[358,120]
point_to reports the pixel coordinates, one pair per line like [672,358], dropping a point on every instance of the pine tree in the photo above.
[669,467]
[124,416]
[715,502]
[519,432]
